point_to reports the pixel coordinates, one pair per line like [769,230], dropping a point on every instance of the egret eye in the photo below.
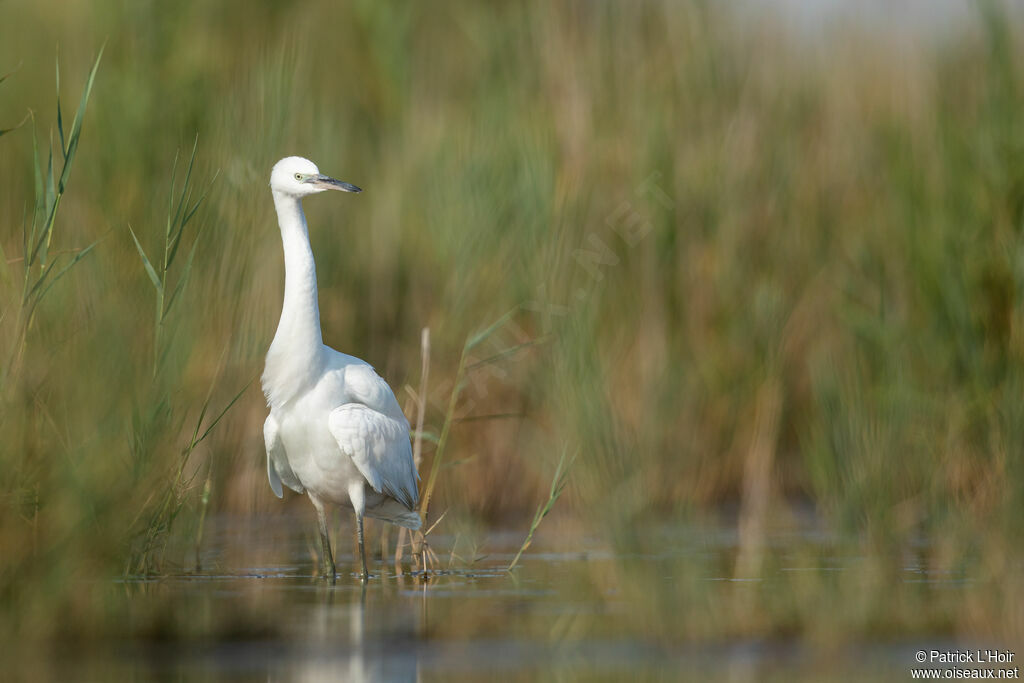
[298,176]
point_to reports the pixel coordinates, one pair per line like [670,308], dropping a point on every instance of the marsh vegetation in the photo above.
[745,282]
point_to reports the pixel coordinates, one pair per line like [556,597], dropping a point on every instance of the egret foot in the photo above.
[329,571]
[327,567]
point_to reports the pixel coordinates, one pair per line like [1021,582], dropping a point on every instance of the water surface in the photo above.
[254,612]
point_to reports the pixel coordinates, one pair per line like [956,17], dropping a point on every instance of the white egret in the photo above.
[335,430]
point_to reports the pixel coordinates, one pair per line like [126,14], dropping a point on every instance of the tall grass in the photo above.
[704,218]
[157,420]
[38,268]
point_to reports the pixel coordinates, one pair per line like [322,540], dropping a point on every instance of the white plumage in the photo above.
[335,430]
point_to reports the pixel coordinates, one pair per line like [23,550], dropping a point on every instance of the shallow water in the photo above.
[254,612]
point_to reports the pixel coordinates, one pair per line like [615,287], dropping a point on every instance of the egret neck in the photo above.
[294,356]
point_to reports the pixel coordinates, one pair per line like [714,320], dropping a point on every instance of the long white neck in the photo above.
[294,355]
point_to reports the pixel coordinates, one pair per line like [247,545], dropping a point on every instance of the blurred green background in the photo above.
[762,273]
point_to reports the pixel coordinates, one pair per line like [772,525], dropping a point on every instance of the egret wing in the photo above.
[379,446]
[278,469]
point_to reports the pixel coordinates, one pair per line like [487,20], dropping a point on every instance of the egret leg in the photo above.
[362,548]
[357,494]
[327,557]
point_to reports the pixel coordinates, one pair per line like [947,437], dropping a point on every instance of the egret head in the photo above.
[300,177]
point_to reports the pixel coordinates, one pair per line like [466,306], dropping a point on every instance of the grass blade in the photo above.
[5,131]
[71,264]
[47,207]
[50,190]
[60,118]
[183,279]
[37,178]
[558,484]
[76,125]
[192,211]
[177,226]
[154,278]
[227,408]
[432,437]
[39,283]
[170,199]
[505,353]
[480,337]
[9,74]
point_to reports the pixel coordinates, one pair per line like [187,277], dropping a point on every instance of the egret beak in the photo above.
[325,182]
